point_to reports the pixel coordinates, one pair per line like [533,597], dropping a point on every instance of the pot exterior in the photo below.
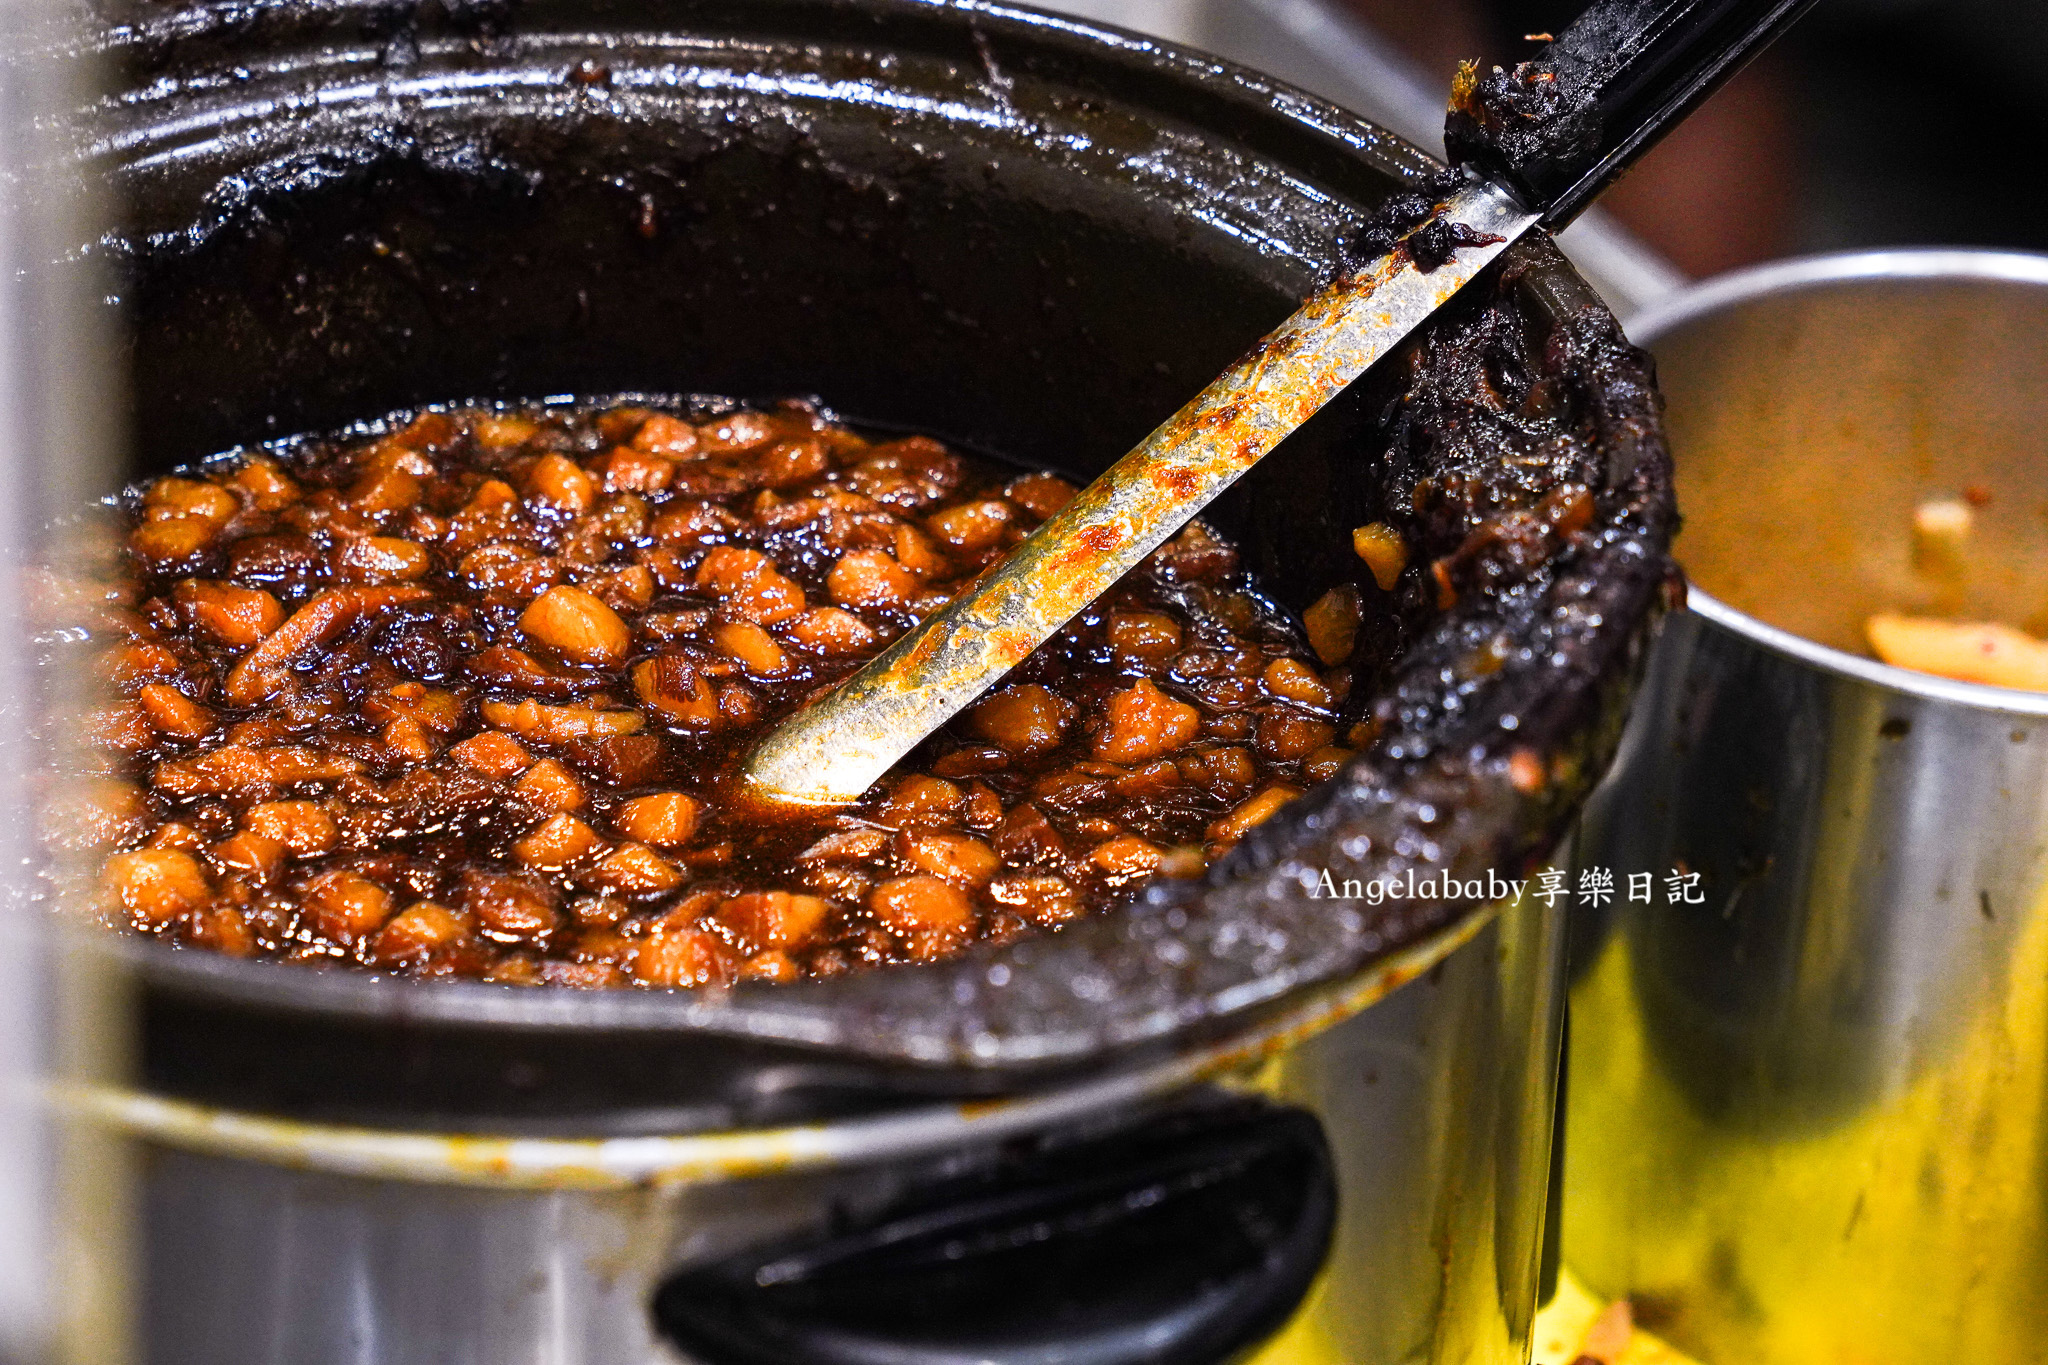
[1435,1105]
[1805,1116]
[1438,1104]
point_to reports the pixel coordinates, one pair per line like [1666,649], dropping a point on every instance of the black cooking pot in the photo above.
[1028,237]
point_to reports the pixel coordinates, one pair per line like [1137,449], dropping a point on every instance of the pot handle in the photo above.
[1179,1243]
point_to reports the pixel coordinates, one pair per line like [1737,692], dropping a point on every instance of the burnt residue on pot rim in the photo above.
[335,80]
[1475,767]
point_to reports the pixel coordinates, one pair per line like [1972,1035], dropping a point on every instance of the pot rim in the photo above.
[1797,274]
[546,1163]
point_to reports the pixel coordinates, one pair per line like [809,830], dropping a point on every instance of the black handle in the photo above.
[1179,1243]
[1560,129]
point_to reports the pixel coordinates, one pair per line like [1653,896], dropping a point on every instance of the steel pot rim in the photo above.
[1820,271]
[524,1162]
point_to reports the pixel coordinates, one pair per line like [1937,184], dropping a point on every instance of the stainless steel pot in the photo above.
[1806,1115]
[1029,237]
[1391,1168]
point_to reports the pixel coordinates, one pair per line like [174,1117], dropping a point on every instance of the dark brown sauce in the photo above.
[464,694]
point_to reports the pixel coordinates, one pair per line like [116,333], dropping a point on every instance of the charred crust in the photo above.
[1435,242]
[1518,124]
[1400,215]
[1524,461]
[1405,222]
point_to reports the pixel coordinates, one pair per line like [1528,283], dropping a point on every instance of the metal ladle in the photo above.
[1538,145]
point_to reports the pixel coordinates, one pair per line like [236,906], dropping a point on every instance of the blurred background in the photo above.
[1875,123]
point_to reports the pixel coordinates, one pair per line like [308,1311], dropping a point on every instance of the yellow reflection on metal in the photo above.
[1563,1324]
[1908,1226]
[1451,1279]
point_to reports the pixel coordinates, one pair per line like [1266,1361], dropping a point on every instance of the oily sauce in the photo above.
[463,693]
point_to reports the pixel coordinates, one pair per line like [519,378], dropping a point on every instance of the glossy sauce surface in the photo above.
[463,694]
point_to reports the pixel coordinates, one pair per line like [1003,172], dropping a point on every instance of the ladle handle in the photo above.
[1562,127]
